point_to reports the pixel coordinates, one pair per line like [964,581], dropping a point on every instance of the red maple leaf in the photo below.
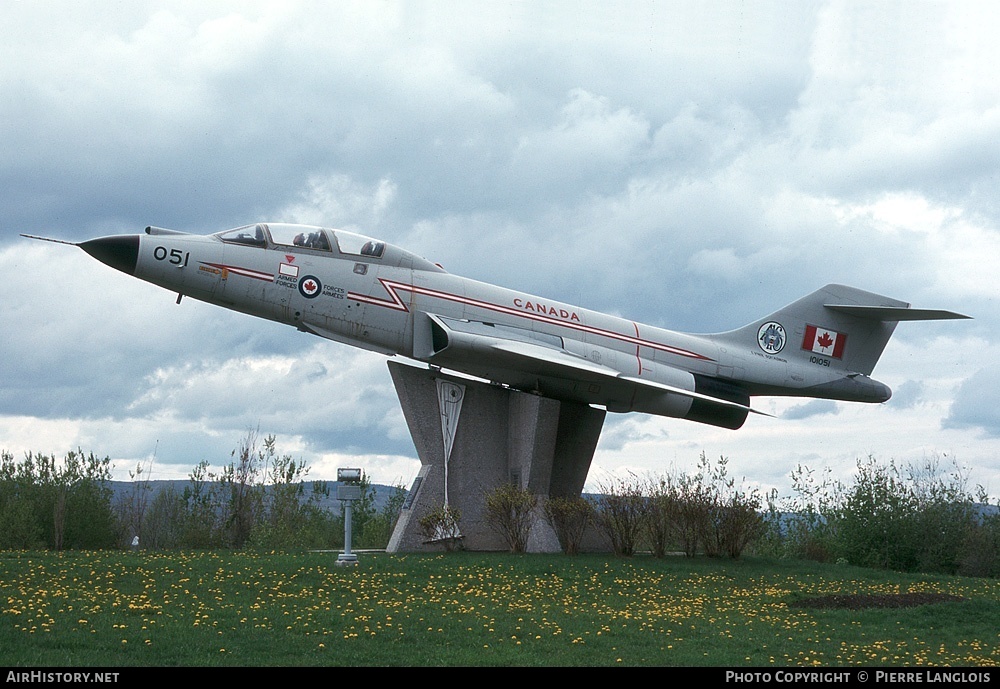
[310,285]
[824,340]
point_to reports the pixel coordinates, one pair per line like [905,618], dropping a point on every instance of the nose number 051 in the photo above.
[174,256]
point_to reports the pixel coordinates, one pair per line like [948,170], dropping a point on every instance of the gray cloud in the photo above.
[975,404]
[810,409]
[907,395]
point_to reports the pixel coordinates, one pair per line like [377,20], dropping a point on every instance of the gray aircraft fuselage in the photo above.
[371,294]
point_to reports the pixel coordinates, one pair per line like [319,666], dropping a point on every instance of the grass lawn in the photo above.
[221,608]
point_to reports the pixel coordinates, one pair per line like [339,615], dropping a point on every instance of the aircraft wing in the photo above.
[541,359]
[541,355]
[565,365]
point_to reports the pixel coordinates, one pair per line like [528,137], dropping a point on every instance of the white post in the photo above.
[347,494]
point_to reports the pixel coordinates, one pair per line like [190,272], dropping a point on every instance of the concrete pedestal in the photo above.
[472,437]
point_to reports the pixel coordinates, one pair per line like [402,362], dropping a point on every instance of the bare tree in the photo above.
[133,504]
[241,483]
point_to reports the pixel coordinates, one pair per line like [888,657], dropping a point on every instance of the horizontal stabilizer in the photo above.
[895,313]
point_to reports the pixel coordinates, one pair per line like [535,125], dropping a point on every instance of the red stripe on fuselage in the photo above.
[246,272]
[398,304]
[637,357]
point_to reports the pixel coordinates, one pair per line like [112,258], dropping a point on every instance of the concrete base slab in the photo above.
[472,437]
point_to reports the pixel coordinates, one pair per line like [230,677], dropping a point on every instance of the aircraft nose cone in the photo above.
[120,252]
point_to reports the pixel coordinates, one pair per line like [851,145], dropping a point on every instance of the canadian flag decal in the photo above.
[824,341]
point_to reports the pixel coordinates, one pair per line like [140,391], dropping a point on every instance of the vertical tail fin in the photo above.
[847,327]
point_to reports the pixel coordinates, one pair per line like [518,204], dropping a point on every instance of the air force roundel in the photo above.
[310,287]
[770,337]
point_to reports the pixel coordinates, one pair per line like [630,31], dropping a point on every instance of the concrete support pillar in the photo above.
[495,436]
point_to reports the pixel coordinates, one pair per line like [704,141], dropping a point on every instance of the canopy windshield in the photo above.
[251,235]
[305,236]
[299,235]
[358,244]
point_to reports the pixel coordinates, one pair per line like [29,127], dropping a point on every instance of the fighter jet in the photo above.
[370,294]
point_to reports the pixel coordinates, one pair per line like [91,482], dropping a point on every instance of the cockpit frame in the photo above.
[289,236]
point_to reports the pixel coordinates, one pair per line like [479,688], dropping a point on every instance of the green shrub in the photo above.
[509,512]
[441,525]
[917,517]
[979,555]
[660,507]
[621,514]
[569,518]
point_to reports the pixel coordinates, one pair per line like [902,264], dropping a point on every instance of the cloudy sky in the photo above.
[691,165]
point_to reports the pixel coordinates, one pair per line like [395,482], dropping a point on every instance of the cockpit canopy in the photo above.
[304,236]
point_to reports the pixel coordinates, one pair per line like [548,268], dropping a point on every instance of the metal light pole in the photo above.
[348,491]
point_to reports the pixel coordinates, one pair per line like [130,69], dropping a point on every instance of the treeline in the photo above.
[260,499]
[51,504]
[913,518]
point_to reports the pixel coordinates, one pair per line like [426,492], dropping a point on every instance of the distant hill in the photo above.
[328,502]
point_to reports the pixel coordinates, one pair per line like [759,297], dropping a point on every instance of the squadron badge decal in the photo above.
[771,337]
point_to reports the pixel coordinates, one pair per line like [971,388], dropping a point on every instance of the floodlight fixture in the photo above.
[349,475]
